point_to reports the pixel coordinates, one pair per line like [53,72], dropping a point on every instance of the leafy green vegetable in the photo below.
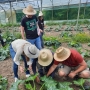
[14,86]
[3,83]
[80,82]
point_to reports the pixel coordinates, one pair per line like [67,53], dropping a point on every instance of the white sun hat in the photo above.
[31,51]
[40,13]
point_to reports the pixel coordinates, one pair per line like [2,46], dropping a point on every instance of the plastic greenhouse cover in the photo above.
[19,4]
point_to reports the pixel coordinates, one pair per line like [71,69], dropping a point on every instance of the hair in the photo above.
[27,58]
[39,18]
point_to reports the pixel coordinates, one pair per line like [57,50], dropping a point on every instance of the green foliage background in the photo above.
[60,14]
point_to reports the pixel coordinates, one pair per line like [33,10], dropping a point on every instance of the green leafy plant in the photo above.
[4,52]
[14,86]
[80,82]
[54,85]
[51,85]
[27,82]
[64,86]
[57,29]
[85,54]
[68,28]
[74,44]
[88,63]
[3,83]
[66,34]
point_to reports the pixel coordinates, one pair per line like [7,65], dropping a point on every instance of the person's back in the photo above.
[18,43]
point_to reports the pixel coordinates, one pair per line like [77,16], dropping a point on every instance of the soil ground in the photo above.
[7,71]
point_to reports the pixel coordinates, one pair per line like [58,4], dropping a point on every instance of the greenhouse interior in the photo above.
[44,44]
[11,10]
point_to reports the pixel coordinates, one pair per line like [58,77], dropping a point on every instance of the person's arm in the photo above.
[52,68]
[39,25]
[17,60]
[81,67]
[38,29]
[17,55]
[22,32]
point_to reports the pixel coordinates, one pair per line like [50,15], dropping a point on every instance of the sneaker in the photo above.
[16,79]
[27,75]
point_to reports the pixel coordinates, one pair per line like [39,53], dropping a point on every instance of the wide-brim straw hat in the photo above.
[45,57]
[62,54]
[29,10]
[31,51]
[40,13]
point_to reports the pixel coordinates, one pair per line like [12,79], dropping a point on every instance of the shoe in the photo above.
[16,79]
[27,75]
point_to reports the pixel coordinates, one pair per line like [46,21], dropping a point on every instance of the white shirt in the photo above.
[17,46]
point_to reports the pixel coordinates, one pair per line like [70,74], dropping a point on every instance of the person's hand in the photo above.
[41,30]
[72,74]
[37,79]
[21,69]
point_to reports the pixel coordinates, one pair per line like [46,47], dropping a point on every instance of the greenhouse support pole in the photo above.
[78,13]
[52,9]
[11,13]
[68,9]
[41,5]
[85,9]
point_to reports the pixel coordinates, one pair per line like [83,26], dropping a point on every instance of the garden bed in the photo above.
[6,65]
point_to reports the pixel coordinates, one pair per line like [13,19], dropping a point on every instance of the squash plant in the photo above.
[54,43]
[57,29]
[68,28]
[80,82]
[3,83]
[64,86]
[28,84]
[74,44]
[4,52]
[51,84]
[66,34]
[14,86]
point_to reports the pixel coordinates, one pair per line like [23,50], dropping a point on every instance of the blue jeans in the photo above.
[42,43]
[37,43]
[15,66]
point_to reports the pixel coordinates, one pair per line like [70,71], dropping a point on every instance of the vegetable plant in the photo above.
[3,83]
[80,82]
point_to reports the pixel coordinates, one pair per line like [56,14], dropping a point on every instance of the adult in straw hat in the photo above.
[41,26]
[45,61]
[73,63]
[25,49]
[29,25]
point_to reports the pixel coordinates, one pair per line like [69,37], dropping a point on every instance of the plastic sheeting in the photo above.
[20,4]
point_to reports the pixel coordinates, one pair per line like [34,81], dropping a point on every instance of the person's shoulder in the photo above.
[24,17]
[75,52]
[34,16]
[18,40]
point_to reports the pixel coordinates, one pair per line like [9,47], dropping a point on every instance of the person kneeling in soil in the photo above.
[26,50]
[45,61]
[73,63]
